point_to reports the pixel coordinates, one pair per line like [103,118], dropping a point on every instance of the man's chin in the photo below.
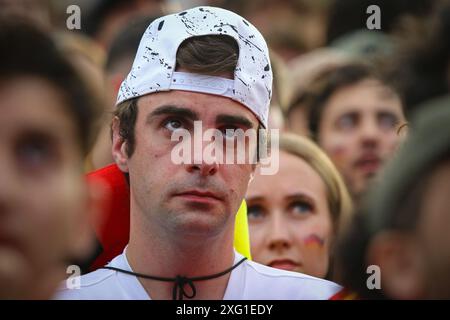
[362,183]
[360,191]
[198,222]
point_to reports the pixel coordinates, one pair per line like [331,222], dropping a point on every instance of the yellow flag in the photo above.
[241,235]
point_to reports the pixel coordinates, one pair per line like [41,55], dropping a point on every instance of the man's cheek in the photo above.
[393,144]
[242,180]
[338,153]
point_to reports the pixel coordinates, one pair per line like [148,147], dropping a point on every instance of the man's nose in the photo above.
[370,133]
[205,162]
[204,169]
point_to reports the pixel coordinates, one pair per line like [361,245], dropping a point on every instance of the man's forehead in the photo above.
[362,108]
[379,90]
[199,105]
[383,101]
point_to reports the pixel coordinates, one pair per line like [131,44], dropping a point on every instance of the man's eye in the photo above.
[347,122]
[229,132]
[301,208]
[255,212]
[34,153]
[173,124]
[387,121]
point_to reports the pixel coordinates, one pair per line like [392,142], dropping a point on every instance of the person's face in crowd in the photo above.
[43,198]
[289,220]
[414,265]
[358,130]
[435,217]
[184,199]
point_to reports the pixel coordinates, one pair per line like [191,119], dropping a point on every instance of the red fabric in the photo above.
[113,233]
[344,294]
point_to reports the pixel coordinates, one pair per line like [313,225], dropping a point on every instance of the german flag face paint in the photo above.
[313,240]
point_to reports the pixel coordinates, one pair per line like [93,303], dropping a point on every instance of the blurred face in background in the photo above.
[415,263]
[289,220]
[358,130]
[43,198]
[434,235]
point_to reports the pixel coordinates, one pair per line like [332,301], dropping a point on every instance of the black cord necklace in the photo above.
[179,281]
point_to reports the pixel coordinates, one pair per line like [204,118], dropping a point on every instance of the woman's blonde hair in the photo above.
[339,200]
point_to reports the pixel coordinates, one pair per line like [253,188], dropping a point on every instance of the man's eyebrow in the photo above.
[174,111]
[232,119]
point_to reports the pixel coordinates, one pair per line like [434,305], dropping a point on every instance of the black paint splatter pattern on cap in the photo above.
[154,65]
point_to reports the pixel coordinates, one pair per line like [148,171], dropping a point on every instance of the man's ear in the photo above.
[119,146]
[399,258]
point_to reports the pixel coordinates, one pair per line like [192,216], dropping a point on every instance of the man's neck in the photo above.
[153,254]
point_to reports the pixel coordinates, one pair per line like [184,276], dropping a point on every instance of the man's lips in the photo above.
[368,164]
[284,264]
[199,196]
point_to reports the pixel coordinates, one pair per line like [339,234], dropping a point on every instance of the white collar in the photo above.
[135,291]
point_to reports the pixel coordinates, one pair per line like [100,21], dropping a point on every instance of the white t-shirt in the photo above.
[248,281]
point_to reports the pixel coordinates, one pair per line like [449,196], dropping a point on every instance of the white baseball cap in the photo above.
[153,68]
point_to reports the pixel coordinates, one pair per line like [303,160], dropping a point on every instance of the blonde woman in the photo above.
[294,215]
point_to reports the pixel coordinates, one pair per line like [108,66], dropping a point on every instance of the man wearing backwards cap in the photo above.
[210,65]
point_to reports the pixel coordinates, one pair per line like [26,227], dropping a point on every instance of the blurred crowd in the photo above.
[364,116]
